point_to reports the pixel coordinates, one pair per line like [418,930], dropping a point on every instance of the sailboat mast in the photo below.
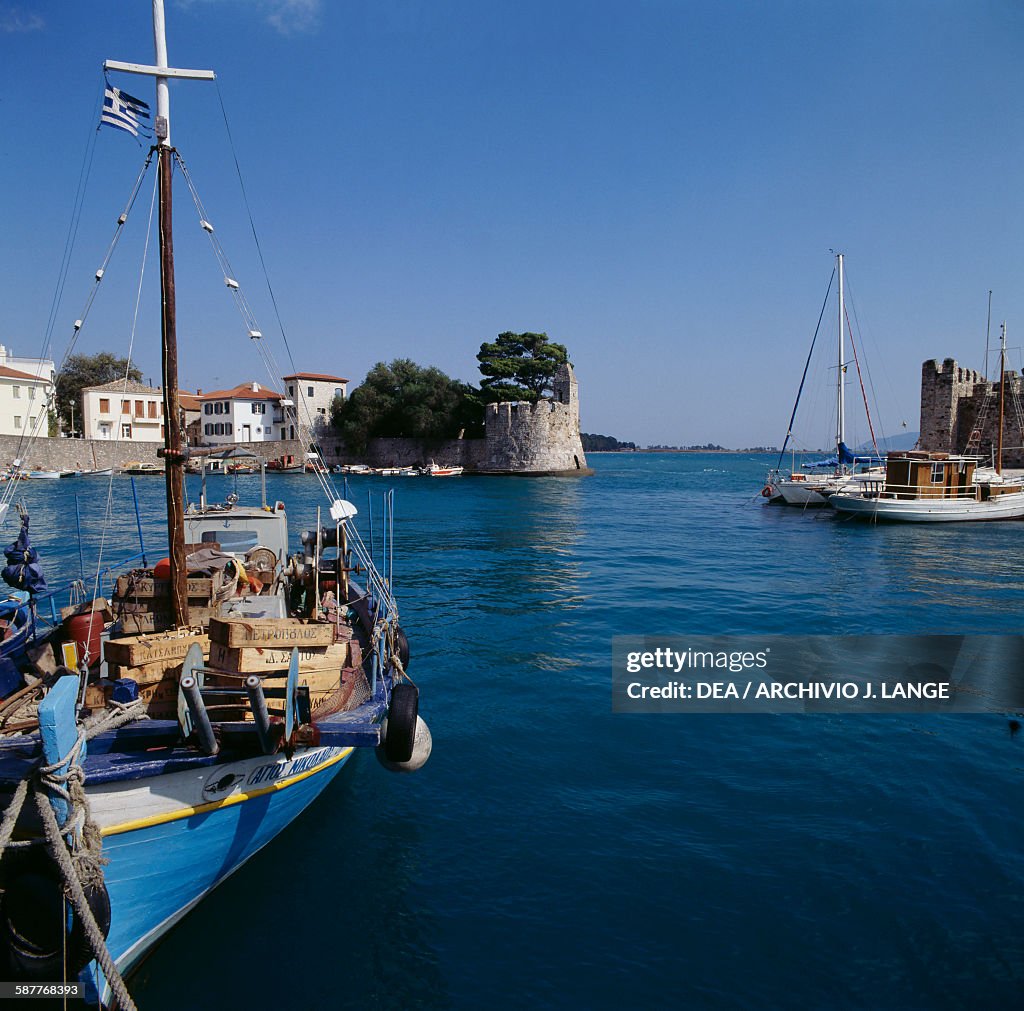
[174,459]
[841,421]
[1002,396]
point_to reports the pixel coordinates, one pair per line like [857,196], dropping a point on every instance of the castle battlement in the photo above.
[957,403]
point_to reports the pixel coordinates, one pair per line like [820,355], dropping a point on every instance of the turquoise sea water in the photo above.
[552,854]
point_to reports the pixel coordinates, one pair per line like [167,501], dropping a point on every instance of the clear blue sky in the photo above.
[655,183]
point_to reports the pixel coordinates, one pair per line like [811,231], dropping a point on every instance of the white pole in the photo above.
[841,426]
[163,96]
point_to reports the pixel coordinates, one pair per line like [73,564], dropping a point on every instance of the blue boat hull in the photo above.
[162,865]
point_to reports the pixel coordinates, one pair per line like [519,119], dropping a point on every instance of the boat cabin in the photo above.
[920,474]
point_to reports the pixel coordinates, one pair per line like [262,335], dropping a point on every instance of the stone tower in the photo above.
[540,438]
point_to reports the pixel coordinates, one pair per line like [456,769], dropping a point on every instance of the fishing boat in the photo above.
[190,717]
[929,487]
[845,470]
[435,470]
[138,469]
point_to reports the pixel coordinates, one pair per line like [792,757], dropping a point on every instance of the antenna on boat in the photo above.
[173,454]
[988,330]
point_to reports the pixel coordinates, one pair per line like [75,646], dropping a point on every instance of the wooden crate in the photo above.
[260,659]
[131,587]
[161,697]
[140,650]
[278,633]
[160,620]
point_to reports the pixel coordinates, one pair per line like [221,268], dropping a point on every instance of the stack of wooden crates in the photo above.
[142,603]
[233,648]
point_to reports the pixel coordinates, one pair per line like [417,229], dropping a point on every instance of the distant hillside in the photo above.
[905,440]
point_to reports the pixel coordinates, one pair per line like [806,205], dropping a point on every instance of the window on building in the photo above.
[126,407]
[31,393]
[309,391]
[104,405]
[140,409]
[152,408]
[208,429]
[339,392]
[162,432]
[227,406]
[321,410]
[17,418]
[218,408]
[31,424]
[228,428]
[292,427]
[291,391]
[16,392]
[218,429]
[126,431]
[282,433]
[207,408]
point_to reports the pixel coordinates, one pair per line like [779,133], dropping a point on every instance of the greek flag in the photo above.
[123,111]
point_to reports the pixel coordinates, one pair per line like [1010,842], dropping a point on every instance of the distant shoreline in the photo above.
[706,452]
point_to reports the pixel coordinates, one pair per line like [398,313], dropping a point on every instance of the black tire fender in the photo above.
[402,713]
[30,917]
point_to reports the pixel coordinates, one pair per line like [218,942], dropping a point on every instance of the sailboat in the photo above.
[928,487]
[839,473]
[235,685]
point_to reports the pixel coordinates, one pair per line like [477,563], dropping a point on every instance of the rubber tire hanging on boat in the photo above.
[31,914]
[401,735]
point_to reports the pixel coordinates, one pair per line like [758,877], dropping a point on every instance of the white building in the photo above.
[25,386]
[126,412]
[312,394]
[248,412]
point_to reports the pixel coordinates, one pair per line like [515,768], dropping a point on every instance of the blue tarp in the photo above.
[23,571]
[845,458]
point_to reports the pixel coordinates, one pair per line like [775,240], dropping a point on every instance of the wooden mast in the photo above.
[174,457]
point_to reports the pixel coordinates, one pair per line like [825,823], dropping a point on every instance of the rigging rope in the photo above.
[821,316]
[330,491]
[863,393]
[30,435]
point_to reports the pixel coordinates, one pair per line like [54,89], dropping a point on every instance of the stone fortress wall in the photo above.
[956,402]
[540,438]
[521,438]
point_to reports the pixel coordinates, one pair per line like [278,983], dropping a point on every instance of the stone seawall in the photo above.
[99,454]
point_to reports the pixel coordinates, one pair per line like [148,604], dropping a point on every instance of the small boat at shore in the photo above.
[136,469]
[435,470]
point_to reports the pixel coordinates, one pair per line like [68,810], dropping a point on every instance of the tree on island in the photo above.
[519,366]
[406,400]
[82,371]
[603,443]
